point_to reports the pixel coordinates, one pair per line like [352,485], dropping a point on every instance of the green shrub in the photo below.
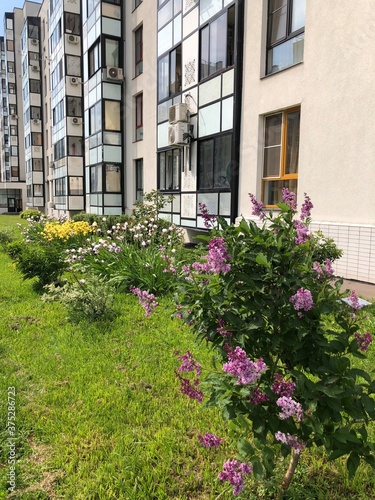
[31,214]
[6,236]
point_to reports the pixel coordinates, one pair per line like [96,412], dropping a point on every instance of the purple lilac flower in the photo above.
[281,387]
[302,300]
[210,440]
[353,301]
[289,198]
[190,388]
[217,255]
[189,364]
[291,441]
[246,371]
[147,300]
[234,472]
[363,341]
[258,397]
[306,207]
[328,267]
[208,220]
[258,207]
[222,329]
[290,408]
[302,232]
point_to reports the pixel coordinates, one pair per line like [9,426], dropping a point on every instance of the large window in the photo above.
[112,52]
[169,163]
[214,162]
[138,47]
[76,186]
[217,44]
[139,117]
[112,178]
[73,106]
[60,186]
[170,74]
[281,151]
[72,23]
[75,146]
[285,35]
[112,115]
[94,59]
[95,118]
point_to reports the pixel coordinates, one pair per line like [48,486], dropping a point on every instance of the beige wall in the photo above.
[335,88]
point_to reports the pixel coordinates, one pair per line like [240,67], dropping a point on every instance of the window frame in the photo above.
[139,179]
[174,186]
[283,177]
[138,54]
[139,117]
[215,138]
[174,61]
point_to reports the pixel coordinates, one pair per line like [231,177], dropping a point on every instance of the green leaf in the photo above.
[352,464]
[261,259]
[337,454]
[245,448]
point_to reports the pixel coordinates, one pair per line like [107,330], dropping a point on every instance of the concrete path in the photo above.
[364,290]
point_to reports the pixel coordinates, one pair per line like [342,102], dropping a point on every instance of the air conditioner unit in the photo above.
[34,41]
[73,39]
[77,121]
[35,68]
[75,81]
[14,117]
[51,164]
[178,134]
[50,204]
[36,121]
[114,73]
[178,113]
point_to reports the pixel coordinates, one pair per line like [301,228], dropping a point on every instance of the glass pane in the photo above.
[272,191]
[272,161]
[162,171]
[277,22]
[165,14]
[218,44]
[76,186]
[169,170]
[292,146]
[112,53]
[112,179]
[273,130]
[206,164]
[176,169]
[286,54]
[112,115]
[205,33]
[223,156]
[298,14]
[163,78]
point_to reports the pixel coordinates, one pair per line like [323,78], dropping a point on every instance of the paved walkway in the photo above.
[364,290]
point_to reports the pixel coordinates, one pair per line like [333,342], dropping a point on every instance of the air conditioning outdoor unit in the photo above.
[75,81]
[14,117]
[51,164]
[178,134]
[34,41]
[77,121]
[51,204]
[114,73]
[73,39]
[36,121]
[178,113]
[35,68]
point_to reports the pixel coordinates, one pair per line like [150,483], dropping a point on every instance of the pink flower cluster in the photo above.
[210,440]
[302,300]
[190,388]
[353,301]
[306,207]
[216,258]
[222,329]
[258,207]
[289,198]
[291,441]
[246,371]
[290,408]
[147,300]
[208,220]
[258,397]
[189,364]
[363,341]
[323,270]
[281,387]
[234,472]
[302,232]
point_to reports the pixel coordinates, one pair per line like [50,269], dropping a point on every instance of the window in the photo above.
[214,162]
[14,151]
[169,169]
[58,112]
[9,23]
[57,74]
[37,165]
[76,186]
[136,3]
[217,44]
[56,35]
[59,149]
[95,118]
[60,186]
[33,31]
[10,67]
[13,130]
[96,179]
[35,113]
[73,106]
[72,23]
[11,88]
[112,55]
[139,117]
[38,190]
[285,34]
[170,74]
[15,171]
[281,149]
[139,179]
[75,146]
[35,86]
[94,59]
[138,46]
[73,65]
[112,178]
[112,116]
[10,45]
[36,138]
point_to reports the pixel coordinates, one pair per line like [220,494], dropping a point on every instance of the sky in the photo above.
[8,6]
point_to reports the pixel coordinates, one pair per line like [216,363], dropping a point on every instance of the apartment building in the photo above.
[207,100]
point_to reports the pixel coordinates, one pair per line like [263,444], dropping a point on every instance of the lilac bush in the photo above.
[284,337]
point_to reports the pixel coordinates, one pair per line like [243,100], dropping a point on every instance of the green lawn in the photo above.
[99,414]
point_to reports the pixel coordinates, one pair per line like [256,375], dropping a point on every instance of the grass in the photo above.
[99,415]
